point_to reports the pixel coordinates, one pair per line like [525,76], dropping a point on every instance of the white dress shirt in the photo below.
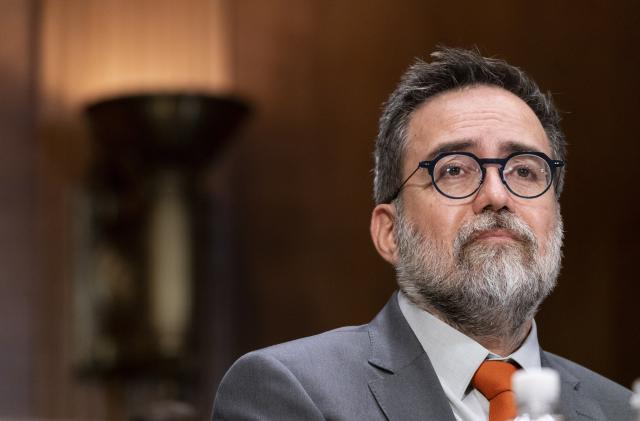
[456,357]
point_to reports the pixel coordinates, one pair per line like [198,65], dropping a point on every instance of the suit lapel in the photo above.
[412,393]
[407,388]
[573,404]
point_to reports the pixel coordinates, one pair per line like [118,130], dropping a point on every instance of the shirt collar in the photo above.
[528,355]
[456,357]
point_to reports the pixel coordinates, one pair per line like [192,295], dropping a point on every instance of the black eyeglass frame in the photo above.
[502,162]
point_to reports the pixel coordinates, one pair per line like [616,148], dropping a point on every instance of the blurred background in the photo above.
[184,181]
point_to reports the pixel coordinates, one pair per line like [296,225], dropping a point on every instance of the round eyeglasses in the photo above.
[458,175]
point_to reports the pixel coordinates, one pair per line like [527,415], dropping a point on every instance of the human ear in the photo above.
[383,220]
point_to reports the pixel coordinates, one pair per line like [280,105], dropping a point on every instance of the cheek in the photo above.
[543,223]
[441,221]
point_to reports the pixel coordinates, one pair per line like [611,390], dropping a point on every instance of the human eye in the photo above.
[454,168]
[524,171]
[527,169]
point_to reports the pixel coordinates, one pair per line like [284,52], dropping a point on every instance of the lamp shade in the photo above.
[165,128]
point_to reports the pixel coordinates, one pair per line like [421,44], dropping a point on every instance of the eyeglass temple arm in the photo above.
[395,195]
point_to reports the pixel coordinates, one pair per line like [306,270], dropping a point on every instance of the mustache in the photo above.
[491,220]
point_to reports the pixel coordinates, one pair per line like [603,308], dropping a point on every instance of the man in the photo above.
[468,172]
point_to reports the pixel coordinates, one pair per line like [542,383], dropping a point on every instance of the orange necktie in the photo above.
[493,380]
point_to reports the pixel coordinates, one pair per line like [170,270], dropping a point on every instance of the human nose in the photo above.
[493,194]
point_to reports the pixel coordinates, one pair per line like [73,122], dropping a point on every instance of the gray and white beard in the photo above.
[485,290]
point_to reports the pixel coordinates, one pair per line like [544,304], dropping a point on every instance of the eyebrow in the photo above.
[513,146]
[461,145]
[453,146]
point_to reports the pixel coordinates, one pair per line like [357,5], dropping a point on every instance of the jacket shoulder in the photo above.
[589,382]
[316,358]
[298,379]
[258,386]
[345,342]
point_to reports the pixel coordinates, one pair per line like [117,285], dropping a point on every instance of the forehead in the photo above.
[486,120]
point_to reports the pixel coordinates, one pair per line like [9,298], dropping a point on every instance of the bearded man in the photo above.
[468,173]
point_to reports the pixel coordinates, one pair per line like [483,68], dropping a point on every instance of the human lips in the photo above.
[499,234]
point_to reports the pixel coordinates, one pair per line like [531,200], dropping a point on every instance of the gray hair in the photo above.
[451,69]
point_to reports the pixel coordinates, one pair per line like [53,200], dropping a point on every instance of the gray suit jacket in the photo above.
[377,371]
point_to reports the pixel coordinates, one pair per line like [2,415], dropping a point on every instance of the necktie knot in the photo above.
[493,380]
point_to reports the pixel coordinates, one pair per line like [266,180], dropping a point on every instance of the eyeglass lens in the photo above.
[458,176]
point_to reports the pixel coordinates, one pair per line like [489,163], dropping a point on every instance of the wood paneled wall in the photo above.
[20,270]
